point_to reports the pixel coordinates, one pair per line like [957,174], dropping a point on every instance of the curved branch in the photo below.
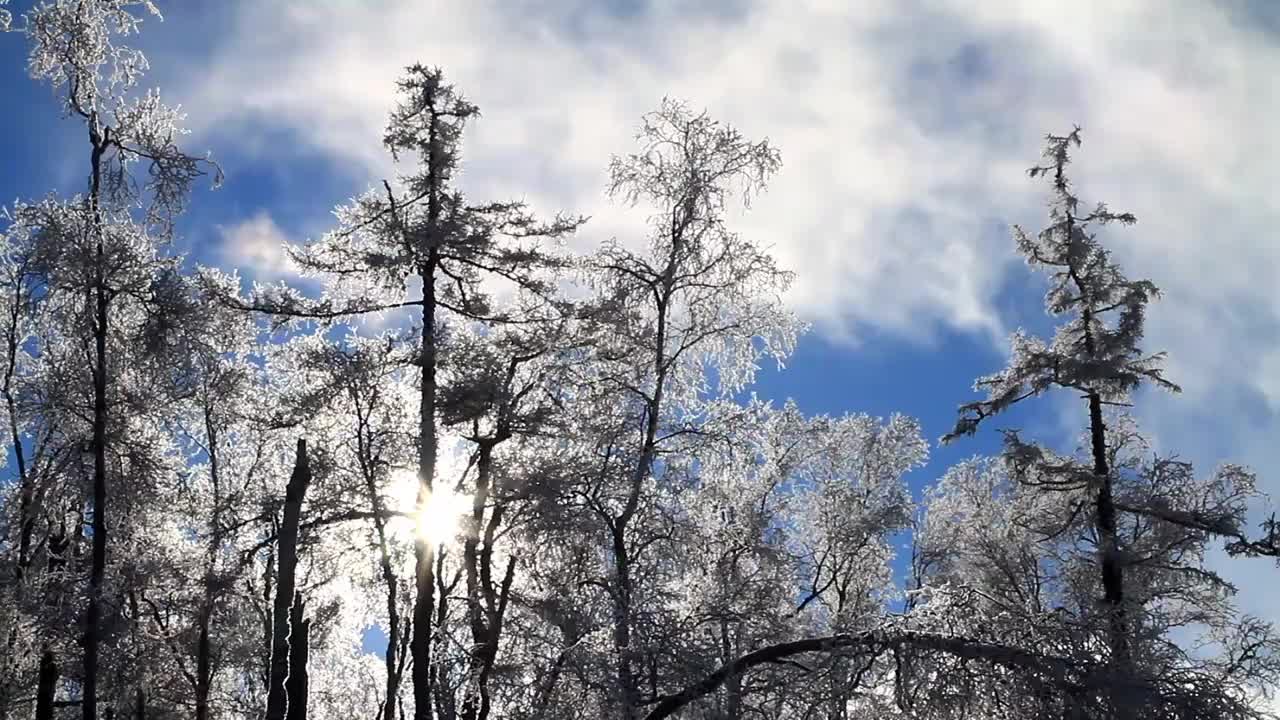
[876,642]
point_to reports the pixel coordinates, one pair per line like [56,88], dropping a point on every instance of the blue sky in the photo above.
[905,127]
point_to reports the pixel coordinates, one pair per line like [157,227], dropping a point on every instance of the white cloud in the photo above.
[857,209]
[256,247]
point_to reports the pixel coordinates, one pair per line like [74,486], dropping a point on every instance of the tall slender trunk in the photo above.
[26,485]
[629,696]
[1109,559]
[203,680]
[299,648]
[475,603]
[100,299]
[268,586]
[424,553]
[392,584]
[486,604]
[424,570]
[623,589]
[204,645]
[1108,545]
[277,699]
[390,659]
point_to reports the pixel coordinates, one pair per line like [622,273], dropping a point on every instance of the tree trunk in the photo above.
[732,684]
[99,296]
[1109,552]
[299,637]
[628,695]
[391,660]
[424,570]
[548,686]
[202,668]
[1105,516]
[286,564]
[268,587]
[622,591]
[443,698]
[424,553]
[26,486]
[204,649]
[46,685]
[479,609]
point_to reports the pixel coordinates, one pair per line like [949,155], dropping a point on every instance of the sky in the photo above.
[905,128]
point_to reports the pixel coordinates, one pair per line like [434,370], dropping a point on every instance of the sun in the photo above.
[437,519]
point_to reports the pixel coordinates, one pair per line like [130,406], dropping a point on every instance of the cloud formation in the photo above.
[256,246]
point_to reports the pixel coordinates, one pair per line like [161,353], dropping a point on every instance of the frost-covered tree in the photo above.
[699,298]
[1047,585]
[506,396]
[521,505]
[421,239]
[99,263]
[791,530]
[360,391]
[1112,572]
[1091,353]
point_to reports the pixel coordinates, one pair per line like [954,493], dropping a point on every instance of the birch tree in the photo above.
[700,297]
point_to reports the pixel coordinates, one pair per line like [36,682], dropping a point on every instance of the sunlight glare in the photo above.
[439,516]
[438,519]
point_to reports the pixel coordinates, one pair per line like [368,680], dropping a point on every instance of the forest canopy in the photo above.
[541,485]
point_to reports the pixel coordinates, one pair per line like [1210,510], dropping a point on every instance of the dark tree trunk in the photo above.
[628,686]
[46,685]
[424,570]
[732,684]
[479,611]
[204,644]
[287,562]
[299,639]
[268,586]
[26,485]
[1109,550]
[99,297]
[424,553]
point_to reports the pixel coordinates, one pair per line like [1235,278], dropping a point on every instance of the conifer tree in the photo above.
[1149,572]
